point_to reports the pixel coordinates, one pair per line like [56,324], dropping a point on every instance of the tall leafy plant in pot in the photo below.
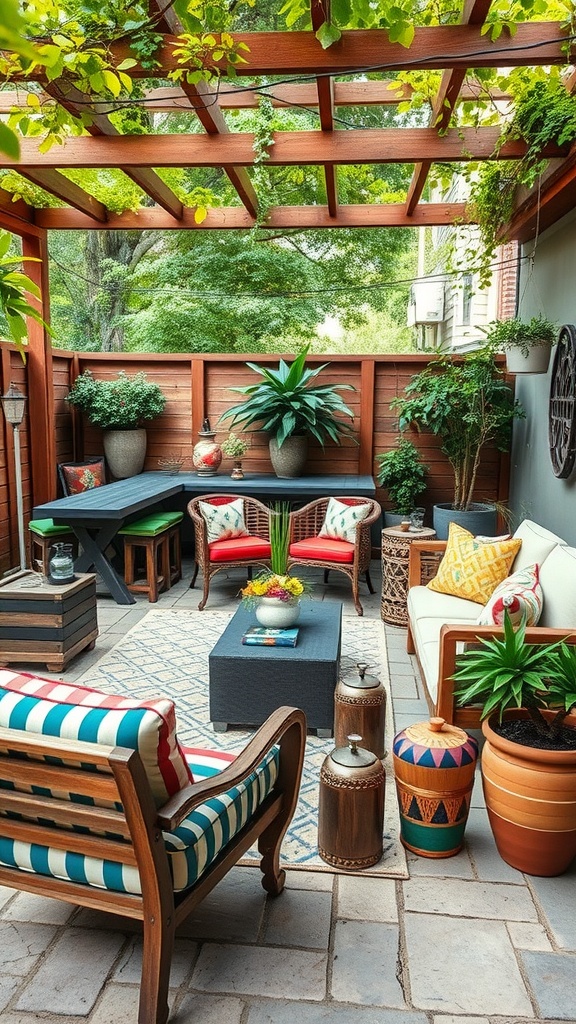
[527,691]
[119,407]
[403,475]
[468,404]
[290,406]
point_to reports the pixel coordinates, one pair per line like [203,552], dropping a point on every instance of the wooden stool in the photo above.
[172,564]
[44,533]
[151,536]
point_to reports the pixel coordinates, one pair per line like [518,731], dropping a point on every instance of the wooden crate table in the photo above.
[395,556]
[41,622]
[248,683]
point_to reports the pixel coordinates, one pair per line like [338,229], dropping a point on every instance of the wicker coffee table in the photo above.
[395,557]
[248,683]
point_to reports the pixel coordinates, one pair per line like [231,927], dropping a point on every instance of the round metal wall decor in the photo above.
[562,406]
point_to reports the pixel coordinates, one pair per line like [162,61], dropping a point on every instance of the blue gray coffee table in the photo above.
[248,683]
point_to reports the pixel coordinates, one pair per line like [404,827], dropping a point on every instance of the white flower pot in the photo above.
[535,362]
[277,614]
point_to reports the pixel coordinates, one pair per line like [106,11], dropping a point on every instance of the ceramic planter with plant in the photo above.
[403,475]
[273,594]
[291,407]
[468,404]
[527,343]
[119,407]
[529,758]
[234,447]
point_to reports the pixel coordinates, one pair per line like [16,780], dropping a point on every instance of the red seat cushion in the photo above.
[239,548]
[323,549]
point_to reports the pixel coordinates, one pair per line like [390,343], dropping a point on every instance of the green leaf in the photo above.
[328,34]
[9,143]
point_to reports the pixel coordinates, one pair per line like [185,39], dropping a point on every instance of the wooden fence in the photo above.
[197,386]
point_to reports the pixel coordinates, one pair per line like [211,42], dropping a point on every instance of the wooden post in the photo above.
[40,383]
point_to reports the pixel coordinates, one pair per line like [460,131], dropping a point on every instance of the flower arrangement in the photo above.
[275,582]
[234,447]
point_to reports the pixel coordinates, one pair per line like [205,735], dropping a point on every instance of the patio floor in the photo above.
[465,938]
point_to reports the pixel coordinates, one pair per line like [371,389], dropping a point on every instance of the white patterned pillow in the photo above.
[341,520]
[223,522]
[520,595]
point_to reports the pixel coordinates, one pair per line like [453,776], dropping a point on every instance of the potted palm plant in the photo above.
[119,407]
[529,759]
[527,343]
[401,472]
[290,406]
[468,404]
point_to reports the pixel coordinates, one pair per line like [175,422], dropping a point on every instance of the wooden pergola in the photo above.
[308,75]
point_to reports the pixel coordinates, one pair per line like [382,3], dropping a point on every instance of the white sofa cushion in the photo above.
[558,582]
[537,543]
[428,612]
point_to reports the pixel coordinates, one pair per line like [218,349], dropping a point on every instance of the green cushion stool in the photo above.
[157,537]
[44,533]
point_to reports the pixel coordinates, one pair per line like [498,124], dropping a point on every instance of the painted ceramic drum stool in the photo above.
[434,765]
[351,807]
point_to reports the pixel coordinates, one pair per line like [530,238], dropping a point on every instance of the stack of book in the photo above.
[265,636]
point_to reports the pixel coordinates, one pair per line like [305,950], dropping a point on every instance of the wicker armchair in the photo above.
[308,548]
[250,550]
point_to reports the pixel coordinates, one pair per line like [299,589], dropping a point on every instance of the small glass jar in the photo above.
[417,519]
[61,565]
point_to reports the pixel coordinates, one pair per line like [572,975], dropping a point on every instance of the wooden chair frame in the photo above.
[453,635]
[307,522]
[117,775]
[257,518]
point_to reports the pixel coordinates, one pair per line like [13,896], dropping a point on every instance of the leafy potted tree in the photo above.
[468,404]
[119,407]
[401,472]
[527,343]
[291,408]
[529,758]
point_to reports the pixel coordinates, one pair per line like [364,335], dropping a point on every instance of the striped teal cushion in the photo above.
[191,848]
[47,527]
[79,713]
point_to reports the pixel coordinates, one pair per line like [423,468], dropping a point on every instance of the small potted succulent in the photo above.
[119,407]
[527,692]
[234,447]
[527,344]
[401,472]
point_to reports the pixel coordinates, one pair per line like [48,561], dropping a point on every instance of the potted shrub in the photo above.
[234,447]
[527,343]
[291,407]
[468,404]
[529,759]
[401,472]
[119,407]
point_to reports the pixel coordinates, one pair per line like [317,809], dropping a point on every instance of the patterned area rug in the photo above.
[167,653]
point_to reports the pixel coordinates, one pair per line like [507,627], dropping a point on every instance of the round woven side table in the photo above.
[395,556]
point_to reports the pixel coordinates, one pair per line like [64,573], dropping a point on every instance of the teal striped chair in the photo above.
[101,806]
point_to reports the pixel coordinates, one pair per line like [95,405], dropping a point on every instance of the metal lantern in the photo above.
[351,807]
[360,707]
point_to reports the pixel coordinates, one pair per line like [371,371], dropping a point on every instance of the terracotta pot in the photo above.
[531,801]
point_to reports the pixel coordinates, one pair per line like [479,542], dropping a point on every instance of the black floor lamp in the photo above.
[14,405]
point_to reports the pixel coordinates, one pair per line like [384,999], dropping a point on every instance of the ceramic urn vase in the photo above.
[207,454]
[434,765]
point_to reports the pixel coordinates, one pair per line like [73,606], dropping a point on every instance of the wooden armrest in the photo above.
[417,549]
[286,726]
[451,635]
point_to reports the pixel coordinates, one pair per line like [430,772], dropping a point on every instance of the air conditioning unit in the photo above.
[426,305]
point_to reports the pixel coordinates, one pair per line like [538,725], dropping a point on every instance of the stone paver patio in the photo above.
[465,939]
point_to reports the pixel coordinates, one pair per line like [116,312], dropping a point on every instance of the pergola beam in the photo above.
[283,217]
[474,13]
[320,12]
[537,210]
[362,146]
[145,177]
[68,191]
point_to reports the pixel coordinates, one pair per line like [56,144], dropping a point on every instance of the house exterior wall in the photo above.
[549,289]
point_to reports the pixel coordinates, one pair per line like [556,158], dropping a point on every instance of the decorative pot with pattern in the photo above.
[125,451]
[277,614]
[434,765]
[207,454]
[351,807]
[531,801]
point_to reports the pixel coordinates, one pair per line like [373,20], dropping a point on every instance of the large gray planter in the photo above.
[289,460]
[480,519]
[125,451]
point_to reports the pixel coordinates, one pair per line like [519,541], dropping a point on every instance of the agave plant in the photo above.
[286,402]
[510,673]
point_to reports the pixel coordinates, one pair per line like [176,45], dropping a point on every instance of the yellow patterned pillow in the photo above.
[473,569]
